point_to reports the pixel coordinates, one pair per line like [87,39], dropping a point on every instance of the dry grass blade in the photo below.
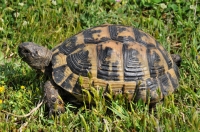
[26,115]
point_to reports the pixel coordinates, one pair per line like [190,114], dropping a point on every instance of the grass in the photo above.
[175,24]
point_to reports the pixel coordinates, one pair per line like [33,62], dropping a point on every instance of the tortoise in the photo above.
[123,58]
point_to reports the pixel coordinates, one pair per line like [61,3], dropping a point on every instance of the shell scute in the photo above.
[165,84]
[70,45]
[153,87]
[166,56]
[121,33]
[157,65]
[79,63]
[173,75]
[96,35]
[66,84]
[109,61]
[144,38]
[133,66]
[58,73]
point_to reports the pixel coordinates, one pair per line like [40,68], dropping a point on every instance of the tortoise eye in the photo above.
[25,51]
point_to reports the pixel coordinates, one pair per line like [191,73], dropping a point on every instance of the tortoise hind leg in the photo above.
[53,99]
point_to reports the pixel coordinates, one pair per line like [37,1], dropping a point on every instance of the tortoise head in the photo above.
[36,56]
[177,59]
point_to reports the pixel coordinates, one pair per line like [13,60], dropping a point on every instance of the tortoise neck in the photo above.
[48,70]
[47,62]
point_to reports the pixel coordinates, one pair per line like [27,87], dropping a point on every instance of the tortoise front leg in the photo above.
[53,99]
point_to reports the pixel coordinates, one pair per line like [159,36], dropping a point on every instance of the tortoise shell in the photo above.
[124,58]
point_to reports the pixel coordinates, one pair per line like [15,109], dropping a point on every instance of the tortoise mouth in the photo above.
[24,54]
[23,51]
[20,52]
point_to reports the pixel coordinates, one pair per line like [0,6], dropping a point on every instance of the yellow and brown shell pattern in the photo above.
[123,58]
